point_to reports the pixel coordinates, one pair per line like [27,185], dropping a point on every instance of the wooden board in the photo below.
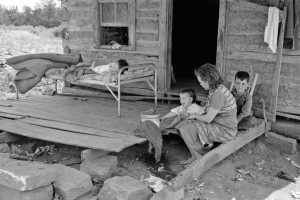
[65,137]
[198,167]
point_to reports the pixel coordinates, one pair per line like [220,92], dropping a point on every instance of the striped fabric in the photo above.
[224,126]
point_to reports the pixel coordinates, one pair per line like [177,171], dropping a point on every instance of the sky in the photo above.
[21,3]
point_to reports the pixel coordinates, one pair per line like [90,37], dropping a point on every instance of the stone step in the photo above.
[71,183]
[24,175]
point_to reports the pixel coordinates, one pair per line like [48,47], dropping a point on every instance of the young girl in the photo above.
[188,107]
[107,71]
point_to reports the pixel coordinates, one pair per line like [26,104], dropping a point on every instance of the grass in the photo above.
[28,39]
[22,40]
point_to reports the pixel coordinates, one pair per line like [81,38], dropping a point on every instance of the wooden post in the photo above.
[221,37]
[275,85]
[163,45]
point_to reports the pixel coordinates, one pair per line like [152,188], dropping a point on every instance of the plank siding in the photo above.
[243,38]
[80,25]
[245,47]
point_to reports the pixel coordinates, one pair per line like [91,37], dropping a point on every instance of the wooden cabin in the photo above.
[180,35]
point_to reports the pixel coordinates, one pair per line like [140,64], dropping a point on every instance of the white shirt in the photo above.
[102,68]
[191,110]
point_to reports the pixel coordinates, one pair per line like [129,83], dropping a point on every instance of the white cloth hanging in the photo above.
[271,31]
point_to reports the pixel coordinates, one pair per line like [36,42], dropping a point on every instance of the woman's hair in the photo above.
[191,92]
[208,72]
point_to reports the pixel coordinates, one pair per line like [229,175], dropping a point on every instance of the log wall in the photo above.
[288,94]
[245,47]
[78,17]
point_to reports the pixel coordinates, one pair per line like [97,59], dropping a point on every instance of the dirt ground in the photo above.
[221,182]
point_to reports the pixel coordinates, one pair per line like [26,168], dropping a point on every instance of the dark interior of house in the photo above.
[194,38]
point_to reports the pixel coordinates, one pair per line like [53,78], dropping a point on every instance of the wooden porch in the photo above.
[78,121]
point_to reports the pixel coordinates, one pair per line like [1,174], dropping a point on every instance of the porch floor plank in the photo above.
[92,124]
[66,137]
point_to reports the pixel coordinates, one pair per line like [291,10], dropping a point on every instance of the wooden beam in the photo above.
[199,166]
[163,42]
[275,85]
[221,37]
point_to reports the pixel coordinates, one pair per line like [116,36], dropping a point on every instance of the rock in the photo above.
[101,168]
[281,143]
[71,183]
[4,148]
[6,137]
[124,188]
[92,154]
[168,194]
[42,193]
[24,175]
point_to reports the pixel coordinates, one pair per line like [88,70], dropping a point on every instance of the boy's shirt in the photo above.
[191,110]
[243,103]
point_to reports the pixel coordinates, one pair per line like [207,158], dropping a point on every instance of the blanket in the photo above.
[31,68]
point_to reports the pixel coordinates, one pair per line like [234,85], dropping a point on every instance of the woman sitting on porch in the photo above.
[218,123]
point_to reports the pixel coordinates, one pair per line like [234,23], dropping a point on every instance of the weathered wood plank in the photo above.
[147,46]
[275,84]
[221,37]
[147,13]
[147,23]
[79,129]
[10,116]
[65,137]
[198,167]
[148,4]
[146,36]
[163,42]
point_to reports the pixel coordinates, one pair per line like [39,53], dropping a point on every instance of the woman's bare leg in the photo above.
[189,133]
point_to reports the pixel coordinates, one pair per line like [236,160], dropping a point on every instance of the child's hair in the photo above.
[191,92]
[242,75]
[122,63]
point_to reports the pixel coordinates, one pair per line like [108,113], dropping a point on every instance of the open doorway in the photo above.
[194,40]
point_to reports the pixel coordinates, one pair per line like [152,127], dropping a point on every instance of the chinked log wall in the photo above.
[79,19]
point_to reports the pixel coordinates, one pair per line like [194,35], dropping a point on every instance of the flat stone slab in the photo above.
[42,193]
[24,175]
[124,188]
[92,154]
[71,183]
[101,168]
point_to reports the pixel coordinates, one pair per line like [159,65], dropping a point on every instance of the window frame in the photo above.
[130,24]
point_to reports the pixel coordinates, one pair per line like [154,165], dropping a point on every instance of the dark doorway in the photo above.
[194,39]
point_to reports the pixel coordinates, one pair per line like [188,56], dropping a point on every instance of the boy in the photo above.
[106,71]
[243,100]
[188,107]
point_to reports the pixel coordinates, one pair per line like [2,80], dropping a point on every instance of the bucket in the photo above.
[151,115]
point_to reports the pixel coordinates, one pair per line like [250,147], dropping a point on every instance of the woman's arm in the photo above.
[208,117]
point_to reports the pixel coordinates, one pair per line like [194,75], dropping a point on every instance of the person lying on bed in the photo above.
[107,72]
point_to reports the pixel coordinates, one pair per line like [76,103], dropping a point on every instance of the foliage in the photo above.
[46,14]
[18,40]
